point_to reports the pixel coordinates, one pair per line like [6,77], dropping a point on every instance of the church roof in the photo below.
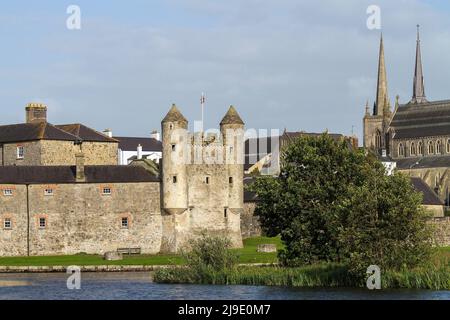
[232,117]
[423,162]
[417,120]
[174,115]
[429,196]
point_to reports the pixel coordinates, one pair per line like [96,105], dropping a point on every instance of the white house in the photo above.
[132,148]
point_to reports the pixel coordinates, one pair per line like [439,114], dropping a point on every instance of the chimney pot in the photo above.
[108,133]
[139,152]
[155,135]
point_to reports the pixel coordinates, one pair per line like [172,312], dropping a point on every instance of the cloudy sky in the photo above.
[300,65]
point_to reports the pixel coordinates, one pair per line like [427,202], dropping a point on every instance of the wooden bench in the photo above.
[129,251]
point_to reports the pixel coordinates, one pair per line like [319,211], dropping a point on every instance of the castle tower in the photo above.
[174,181]
[418,85]
[376,125]
[201,196]
[232,131]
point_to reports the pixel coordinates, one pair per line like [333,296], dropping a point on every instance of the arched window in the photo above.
[413,149]
[438,147]
[420,148]
[378,139]
[448,146]
[430,147]
[401,150]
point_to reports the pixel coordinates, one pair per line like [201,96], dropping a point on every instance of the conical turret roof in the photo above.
[174,115]
[232,117]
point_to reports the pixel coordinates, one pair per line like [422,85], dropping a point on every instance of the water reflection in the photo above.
[139,286]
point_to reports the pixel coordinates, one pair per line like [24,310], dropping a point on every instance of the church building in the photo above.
[415,135]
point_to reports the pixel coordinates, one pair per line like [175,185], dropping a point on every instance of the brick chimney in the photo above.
[36,112]
[79,163]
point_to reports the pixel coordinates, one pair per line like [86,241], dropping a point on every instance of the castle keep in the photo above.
[62,192]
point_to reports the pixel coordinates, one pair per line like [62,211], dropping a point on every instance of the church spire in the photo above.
[418,87]
[382,102]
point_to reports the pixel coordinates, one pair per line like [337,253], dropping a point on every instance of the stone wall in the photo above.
[81,219]
[32,154]
[59,153]
[100,153]
[442,227]
[13,242]
[250,226]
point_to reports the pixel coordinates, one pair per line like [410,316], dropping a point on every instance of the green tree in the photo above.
[314,206]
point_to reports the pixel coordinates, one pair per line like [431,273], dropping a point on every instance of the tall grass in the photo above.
[210,262]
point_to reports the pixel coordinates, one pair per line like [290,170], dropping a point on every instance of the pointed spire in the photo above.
[382,90]
[367,108]
[418,87]
[174,115]
[232,117]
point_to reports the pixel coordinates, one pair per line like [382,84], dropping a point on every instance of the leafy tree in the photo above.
[323,198]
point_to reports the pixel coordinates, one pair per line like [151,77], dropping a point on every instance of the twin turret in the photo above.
[200,194]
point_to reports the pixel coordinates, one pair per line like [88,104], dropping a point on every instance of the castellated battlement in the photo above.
[202,180]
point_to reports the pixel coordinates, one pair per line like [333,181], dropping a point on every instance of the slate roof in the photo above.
[32,132]
[131,144]
[174,115]
[85,133]
[67,174]
[258,148]
[232,117]
[429,196]
[417,120]
[46,131]
[424,162]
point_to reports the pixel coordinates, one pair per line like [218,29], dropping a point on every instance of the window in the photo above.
[174,179]
[438,147]
[48,192]
[7,192]
[230,180]
[125,223]
[225,212]
[20,152]
[171,126]
[7,224]
[448,146]
[420,147]
[107,191]
[401,150]
[207,180]
[174,147]
[413,150]
[430,147]
[42,223]
[378,140]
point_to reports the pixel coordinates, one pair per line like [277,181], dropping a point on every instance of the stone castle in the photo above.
[62,192]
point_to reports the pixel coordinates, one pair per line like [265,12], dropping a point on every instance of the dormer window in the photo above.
[171,126]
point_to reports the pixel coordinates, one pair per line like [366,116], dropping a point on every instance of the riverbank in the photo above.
[92,263]
[434,276]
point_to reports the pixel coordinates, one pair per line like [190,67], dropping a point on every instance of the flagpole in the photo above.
[203,110]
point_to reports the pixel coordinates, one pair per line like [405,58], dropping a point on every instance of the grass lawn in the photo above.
[248,254]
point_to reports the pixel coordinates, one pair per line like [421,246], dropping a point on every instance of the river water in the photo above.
[139,286]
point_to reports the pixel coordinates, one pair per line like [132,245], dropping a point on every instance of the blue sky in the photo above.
[300,65]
